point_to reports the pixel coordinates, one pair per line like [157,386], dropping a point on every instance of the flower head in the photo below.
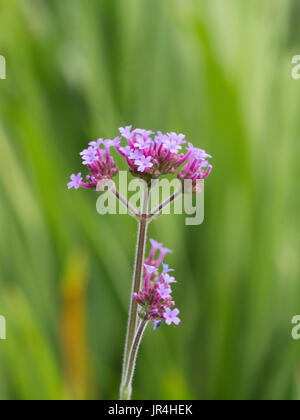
[99,162]
[196,169]
[155,298]
[149,156]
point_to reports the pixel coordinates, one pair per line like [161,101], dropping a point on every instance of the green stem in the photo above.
[126,388]
[137,279]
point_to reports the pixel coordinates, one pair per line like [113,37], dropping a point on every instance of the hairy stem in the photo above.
[126,388]
[137,279]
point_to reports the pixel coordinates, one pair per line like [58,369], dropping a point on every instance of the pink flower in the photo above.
[171,316]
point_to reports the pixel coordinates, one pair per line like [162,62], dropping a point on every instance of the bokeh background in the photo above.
[218,71]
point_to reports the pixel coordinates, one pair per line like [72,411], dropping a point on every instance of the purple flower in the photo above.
[89,156]
[196,169]
[75,181]
[164,290]
[148,156]
[135,154]
[150,269]
[155,244]
[91,178]
[155,299]
[126,132]
[143,142]
[160,138]
[166,269]
[171,316]
[168,279]
[112,143]
[178,138]
[163,253]
[161,155]
[173,142]
[198,153]
[143,163]
[157,323]
[172,146]
[144,133]
[96,144]
[126,150]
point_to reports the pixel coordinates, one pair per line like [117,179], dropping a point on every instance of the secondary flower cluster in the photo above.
[155,298]
[149,155]
[98,160]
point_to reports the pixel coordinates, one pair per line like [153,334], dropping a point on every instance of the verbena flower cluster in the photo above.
[155,298]
[149,155]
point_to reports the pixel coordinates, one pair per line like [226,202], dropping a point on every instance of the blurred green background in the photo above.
[218,71]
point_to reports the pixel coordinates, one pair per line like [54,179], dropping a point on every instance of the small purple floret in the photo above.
[171,316]
[76,181]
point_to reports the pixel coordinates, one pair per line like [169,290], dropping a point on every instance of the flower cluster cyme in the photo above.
[100,163]
[155,298]
[149,156]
